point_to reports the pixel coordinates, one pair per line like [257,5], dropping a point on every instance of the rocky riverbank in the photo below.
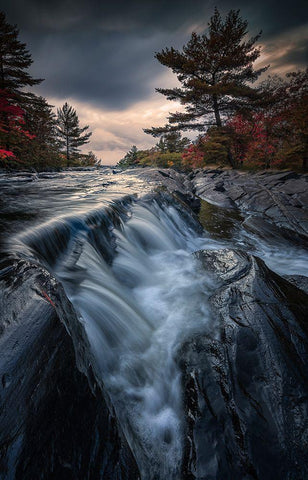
[244,375]
[280,198]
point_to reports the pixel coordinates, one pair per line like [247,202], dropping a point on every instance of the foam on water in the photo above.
[137,313]
[128,270]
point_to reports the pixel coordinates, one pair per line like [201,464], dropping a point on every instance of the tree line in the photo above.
[240,123]
[31,134]
[239,120]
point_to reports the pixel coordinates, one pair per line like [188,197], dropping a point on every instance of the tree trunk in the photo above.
[216,111]
[67,152]
[305,161]
[231,158]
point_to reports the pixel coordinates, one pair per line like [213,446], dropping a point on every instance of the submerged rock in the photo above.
[57,422]
[246,378]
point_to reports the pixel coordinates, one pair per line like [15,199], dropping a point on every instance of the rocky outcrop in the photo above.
[169,178]
[246,376]
[281,198]
[56,419]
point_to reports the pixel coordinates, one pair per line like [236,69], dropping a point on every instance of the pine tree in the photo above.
[172,142]
[70,135]
[289,101]
[12,128]
[14,60]
[297,111]
[131,158]
[215,70]
[40,122]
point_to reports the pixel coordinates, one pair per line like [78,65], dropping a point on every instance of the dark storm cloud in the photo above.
[102,52]
[146,15]
[112,70]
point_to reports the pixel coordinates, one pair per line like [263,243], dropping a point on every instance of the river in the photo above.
[124,257]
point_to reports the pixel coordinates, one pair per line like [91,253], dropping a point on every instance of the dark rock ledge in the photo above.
[281,198]
[274,198]
[246,376]
[56,420]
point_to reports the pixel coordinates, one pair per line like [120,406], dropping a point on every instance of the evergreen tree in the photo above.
[14,60]
[12,131]
[131,158]
[172,142]
[288,97]
[40,122]
[215,70]
[297,112]
[70,135]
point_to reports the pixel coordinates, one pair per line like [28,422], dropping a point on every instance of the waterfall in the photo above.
[137,311]
[129,272]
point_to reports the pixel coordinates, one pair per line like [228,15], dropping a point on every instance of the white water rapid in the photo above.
[137,313]
[128,269]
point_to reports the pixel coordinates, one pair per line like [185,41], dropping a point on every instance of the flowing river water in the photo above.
[126,264]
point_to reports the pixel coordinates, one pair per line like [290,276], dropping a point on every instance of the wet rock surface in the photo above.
[273,199]
[282,198]
[245,378]
[56,419]
[300,281]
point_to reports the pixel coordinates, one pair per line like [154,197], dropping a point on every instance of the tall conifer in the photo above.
[15,60]
[71,136]
[215,71]
[14,63]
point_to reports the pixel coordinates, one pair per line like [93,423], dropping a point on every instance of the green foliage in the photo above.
[214,70]
[70,135]
[14,61]
[91,160]
[216,146]
[131,158]
[158,156]
[40,120]
[42,150]
[153,158]
[172,142]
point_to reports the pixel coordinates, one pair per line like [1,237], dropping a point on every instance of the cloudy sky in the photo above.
[99,55]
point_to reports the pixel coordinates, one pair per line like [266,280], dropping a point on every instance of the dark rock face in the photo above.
[169,178]
[246,377]
[282,198]
[56,420]
[300,281]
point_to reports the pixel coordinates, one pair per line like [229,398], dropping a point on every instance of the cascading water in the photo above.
[128,269]
[137,312]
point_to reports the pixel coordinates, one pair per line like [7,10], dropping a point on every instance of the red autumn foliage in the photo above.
[11,126]
[256,140]
[6,154]
[193,157]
